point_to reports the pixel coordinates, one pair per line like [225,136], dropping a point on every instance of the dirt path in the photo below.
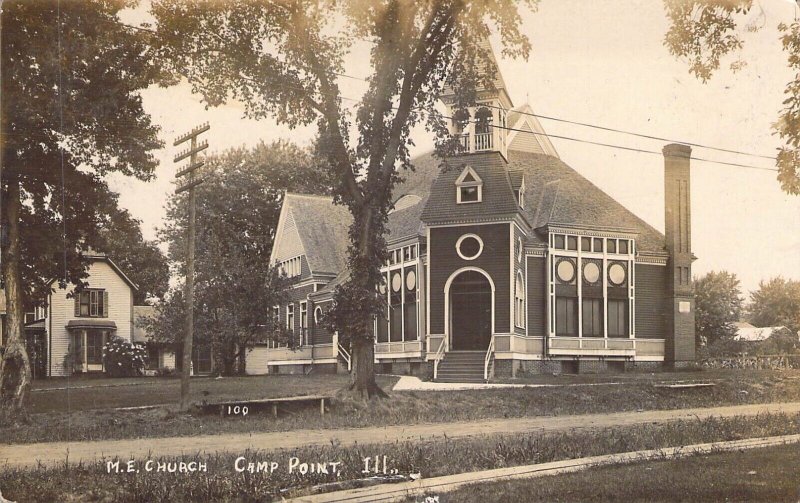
[27,455]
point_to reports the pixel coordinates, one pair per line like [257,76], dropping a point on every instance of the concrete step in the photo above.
[466,380]
[459,375]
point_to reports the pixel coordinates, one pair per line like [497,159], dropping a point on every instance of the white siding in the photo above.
[167,359]
[257,359]
[526,142]
[288,244]
[62,310]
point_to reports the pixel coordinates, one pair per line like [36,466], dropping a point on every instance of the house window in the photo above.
[290,317]
[469,187]
[469,246]
[400,291]
[303,323]
[592,317]
[292,267]
[566,316]
[317,316]
[617,318]
[91,304]
[519,302]
[94,347]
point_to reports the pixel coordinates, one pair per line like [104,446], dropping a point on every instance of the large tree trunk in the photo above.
[363,373]
[362,340]
[15,369]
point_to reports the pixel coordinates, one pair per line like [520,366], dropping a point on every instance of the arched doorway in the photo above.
[470,303]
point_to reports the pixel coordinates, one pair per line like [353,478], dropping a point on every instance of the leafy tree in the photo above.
[282,60]
[141,260]
[776,303]
[71,113]
[705,31]
[718,305]
[238,207]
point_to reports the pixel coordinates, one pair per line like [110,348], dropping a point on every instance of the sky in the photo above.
[602,63]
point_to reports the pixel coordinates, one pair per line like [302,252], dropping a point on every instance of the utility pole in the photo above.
[189,186]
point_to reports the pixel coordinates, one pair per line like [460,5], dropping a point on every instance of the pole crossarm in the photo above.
[191,151]
[189,186]
[188,169]
[194,132]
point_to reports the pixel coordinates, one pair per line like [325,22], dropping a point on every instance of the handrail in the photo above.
[345,356]
[489,357]
[438,357]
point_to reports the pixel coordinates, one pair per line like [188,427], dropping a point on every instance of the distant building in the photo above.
[745,332]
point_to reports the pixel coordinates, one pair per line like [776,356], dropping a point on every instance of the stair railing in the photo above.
[488,360]
[439,354]
[345,356]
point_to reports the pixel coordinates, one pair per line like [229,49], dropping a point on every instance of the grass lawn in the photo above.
[78,414]
[221,482]
[769,474]
[87,394]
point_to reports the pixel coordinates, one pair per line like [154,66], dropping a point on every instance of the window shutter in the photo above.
[104,314]
[77,304]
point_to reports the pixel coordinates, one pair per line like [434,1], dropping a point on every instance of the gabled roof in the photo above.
[557,195]
[94,256]
[322,227]
[498,196]
[523,124]
[107,259]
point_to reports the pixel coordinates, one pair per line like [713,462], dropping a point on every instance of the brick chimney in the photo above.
[680,339]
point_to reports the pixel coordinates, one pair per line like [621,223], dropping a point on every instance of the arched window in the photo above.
[519,302]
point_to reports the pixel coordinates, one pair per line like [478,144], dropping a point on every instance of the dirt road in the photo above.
[26,455]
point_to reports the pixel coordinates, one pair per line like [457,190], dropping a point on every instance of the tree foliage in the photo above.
[705,31]
[776,303]
[283,60]
[238,207]
[718,305]
[71,113]
[140,259]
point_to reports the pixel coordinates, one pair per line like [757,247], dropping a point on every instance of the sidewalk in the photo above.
[29,455]
[412,383]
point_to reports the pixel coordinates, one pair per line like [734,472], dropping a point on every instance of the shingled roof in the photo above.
[498,195]
[556,194]
[322,227]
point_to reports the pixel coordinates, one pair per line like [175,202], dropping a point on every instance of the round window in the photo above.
[565,270]
[411,280]
[317,315]
[469,246]
[616,274]
[397,282]
[382,288]
[591,272]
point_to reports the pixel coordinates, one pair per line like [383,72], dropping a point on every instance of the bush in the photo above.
[123,359]
[166,372]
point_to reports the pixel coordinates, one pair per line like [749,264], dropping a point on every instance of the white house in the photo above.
[84,322]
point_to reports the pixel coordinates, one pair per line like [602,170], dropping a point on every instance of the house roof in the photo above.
[498,196]
[755,334]
[102,257]
[323,228]
[557,195]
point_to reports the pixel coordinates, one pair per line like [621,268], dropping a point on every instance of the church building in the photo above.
[505,262]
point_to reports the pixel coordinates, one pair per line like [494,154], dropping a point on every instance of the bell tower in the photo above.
[483,128]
